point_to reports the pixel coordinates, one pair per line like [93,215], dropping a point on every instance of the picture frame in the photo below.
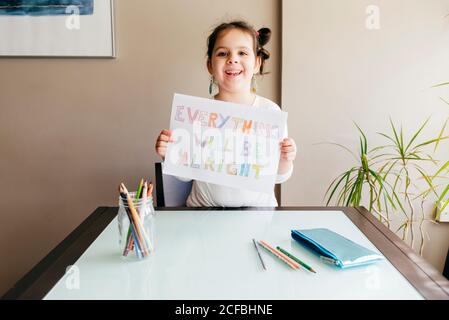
[57,28]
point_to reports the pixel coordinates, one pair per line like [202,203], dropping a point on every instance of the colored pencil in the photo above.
[142,193]
[136,220]
[279,255]
[144,196]
[137,235]
[139,192]
[258,253]
[131,234]
[296,259]
[150,190]
[144,203]
[140,229]
[130,242]
[127,201]
[132,226]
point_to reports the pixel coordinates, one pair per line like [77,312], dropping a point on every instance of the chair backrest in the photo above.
[170,192]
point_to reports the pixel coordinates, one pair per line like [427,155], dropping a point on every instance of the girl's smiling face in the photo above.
[233,61]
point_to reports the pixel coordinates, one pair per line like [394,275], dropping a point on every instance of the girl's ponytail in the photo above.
[263,37]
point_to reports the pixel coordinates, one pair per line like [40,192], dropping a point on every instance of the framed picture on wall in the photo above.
[57,28]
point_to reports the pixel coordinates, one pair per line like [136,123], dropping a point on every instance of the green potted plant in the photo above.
[445,167]
[389,179]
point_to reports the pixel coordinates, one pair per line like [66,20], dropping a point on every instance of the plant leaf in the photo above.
[444,166]
[441,134]
[336,186]
[416,134]
[430,142]
[445,101]
[365,144]
[440,199]
[381,182]
[428,180]
[388,137]
[440,85]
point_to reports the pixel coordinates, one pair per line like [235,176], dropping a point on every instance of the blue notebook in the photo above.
[343,252]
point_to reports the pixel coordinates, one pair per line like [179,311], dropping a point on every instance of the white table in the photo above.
[209,254]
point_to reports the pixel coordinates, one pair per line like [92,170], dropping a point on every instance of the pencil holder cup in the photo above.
[136,227]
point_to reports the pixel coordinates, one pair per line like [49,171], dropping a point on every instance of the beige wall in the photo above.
[72,129]
[336,71]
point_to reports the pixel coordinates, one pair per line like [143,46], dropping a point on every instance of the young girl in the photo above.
[235,54]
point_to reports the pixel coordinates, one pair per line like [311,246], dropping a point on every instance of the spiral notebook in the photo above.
[342,251]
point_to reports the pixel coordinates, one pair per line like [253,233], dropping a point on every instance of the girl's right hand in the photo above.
[162,141]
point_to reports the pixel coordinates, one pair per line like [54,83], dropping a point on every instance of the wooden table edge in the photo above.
[438,285]
[45,274]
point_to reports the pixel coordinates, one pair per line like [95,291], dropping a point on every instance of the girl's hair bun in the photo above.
[264,35]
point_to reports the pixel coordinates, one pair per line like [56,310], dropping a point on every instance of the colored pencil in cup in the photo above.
[150,190]
[144,197]
[134,217]
[139,192]
[136,200]
[279,255]
[142,234]
[132,227]
[130,212]
[142,193]
[129,241]
[138,222]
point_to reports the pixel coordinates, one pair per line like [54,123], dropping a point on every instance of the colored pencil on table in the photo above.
[279,255]
[258,253]
[296,259]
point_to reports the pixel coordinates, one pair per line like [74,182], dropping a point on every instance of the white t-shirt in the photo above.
[204,194]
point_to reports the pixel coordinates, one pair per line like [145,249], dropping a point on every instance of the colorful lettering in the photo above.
[223,121]
[230,169]
[247,126]
[192,118]
[244,170]
[212,119]
[178,116]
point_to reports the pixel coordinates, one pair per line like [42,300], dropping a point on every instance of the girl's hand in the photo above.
[288,149]
[162,141]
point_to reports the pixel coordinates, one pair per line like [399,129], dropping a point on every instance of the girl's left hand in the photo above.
[288,149]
